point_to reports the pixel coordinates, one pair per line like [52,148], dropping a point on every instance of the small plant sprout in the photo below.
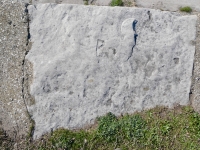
[186,9]
[116,3]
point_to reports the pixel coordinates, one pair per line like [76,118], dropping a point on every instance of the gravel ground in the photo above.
[13,48]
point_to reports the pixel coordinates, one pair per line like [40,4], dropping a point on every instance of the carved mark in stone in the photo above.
[147,22]
[100,44]
[114,50]
[176,60]
[149,13]
[103,51]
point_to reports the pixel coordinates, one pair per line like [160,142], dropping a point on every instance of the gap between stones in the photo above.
[31,130]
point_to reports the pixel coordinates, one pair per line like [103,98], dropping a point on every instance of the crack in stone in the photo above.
[23,68]
[27,43]
[135,37]
[97,47]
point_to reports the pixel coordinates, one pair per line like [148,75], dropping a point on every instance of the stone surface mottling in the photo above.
[58,1]
[84,66]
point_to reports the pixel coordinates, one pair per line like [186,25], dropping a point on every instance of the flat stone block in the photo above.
[58,1]
[90,60]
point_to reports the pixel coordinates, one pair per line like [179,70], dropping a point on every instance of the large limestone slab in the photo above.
[93,2]
[172,5]
[58,1]
[83,2]
[88,61]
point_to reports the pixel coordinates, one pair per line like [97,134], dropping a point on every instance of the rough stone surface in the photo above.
[171,5]
[128,3]
[94,2]
[84,65]
[13,48]
[58,1]
[21,1]
[195,88]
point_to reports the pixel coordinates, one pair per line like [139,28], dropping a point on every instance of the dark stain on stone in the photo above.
[71,92]
[108,103]
[176,60]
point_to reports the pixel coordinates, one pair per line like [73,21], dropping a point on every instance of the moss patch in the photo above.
[116,3]
[186,9]
[158,128]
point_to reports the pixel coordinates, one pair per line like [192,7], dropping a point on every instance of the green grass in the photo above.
[186,9]
[116,3]
[86,2]
[158,128]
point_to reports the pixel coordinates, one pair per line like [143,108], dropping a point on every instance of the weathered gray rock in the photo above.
[18,1]
[58,1]
[94,2]
[86,2]
[84,65]
[100,2]
[171,5]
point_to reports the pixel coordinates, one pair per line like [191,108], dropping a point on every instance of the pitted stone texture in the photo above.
[100,2]
[171,5]
[95,2]
[128,3]
[81,66]
[58,1]
[13,47]
[22,1]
